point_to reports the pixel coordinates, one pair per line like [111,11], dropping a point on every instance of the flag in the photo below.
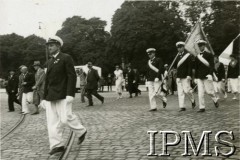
[232,48]
[191,42]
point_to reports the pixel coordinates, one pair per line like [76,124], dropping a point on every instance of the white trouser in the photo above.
[27,98]
[219,87]
[183,86]
[205,85]
[59,113]
[118,85]
[152,89]
[234,83]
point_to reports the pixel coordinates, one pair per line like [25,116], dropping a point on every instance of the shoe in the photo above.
[35,113]
[201,110]
[225,95]
[216,104]
[130,96]
[89,105]
[82,137]
[193,104]
[164,104]
[25,113]
[234,98]
[10,111]
[56,150]
[152,110]
[102,100]
[182,109]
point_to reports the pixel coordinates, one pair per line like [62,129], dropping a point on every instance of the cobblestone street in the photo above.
[118,129]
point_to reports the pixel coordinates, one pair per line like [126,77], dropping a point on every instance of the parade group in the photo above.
[54,88]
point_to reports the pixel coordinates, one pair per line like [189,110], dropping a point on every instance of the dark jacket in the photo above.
[233,71]
[131,76]
[12,86]
[60,78]
[219,72]
[151,74]
[201,70]
[92,79]
[185,69]
[30,80]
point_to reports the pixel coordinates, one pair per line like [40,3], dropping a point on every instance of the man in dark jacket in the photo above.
[59,92]
[204,65]
[184,74]
[233,75]
[12,90]
[27,84]
[131,81]
[92,85]
[154,79]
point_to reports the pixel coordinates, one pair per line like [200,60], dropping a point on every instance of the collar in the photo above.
[55,55]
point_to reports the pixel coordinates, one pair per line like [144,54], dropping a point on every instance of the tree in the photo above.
[85,40]
[139,25]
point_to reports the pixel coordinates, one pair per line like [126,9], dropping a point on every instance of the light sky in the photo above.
[23,16]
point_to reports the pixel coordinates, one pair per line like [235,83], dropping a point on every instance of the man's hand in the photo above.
[156,80]
[34,87]
[178,80]
[24,83]
[209,77]
[195,81]
[223,80]
[69,99]
[42,104]
[134,81]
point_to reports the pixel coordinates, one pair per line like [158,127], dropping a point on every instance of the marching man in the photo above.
[184,73]
[58,96]
[204,65]
[154,79]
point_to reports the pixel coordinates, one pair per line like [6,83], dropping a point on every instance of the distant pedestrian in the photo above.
[136,84]
[109,82]
[82,76]
[118,81]
[101,83]
[59,92]
[27,84]
[38,88]
[12,90]
[92,85]
[219,78]
[130,80]
[233,75]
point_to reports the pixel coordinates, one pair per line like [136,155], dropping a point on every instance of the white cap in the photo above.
[151,50]
[201,42]
[180,43]
[55,39]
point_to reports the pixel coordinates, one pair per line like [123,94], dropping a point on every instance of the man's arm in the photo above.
[71,74]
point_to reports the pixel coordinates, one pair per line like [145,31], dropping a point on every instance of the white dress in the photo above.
[119,79]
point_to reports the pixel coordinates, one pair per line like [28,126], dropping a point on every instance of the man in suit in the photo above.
[204,65]
[59,92]
[184,74]
[154,79]
[12,90]
[131,81]
[92,85]
[38,88]
[27,84]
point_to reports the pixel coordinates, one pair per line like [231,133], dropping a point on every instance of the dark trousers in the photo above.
[94,92]
[136,90]
[109,87]
[11,99]
[130,88]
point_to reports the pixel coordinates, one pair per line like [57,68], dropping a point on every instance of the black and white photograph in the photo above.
[120,79]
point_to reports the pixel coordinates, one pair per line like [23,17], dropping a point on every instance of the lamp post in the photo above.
[44,34]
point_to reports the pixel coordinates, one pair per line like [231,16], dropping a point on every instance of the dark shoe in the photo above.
[139,92]
[201,110]
[56,150]
[81,139]
[182,109]
[35,113]
[216,104]
[89,105]
[193,104]
[164,104]
[152,110]
[102,100]
[10,111]
[130,96]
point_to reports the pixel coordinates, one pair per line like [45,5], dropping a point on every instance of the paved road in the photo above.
[118,129]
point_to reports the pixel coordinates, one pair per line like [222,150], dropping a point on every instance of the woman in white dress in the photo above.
[119,78]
